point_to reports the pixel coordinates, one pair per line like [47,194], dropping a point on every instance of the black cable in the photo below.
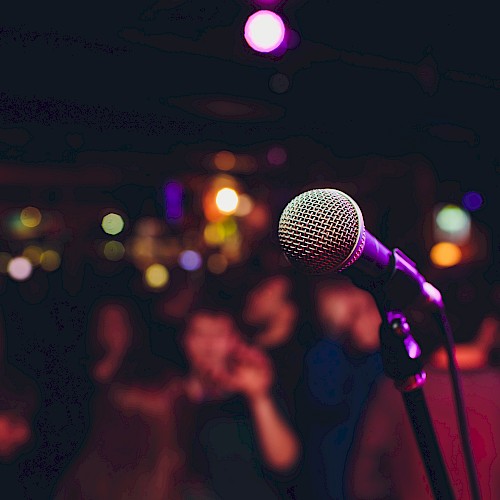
[459,403]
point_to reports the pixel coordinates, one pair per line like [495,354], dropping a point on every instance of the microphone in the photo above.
[322,231]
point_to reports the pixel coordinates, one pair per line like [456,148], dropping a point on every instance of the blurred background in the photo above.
[147,150]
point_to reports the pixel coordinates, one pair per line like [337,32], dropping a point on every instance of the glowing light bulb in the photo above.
[227,200]
[264,31]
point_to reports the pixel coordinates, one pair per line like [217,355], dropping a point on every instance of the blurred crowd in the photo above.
[269,399]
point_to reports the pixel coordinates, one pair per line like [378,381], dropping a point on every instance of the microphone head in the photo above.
[321,231]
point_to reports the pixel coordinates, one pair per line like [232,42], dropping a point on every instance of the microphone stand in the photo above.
[400,356]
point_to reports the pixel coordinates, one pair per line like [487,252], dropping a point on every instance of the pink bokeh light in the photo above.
[264,31]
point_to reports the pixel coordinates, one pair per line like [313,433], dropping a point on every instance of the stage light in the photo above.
[217,263]
[112,224]
[156,276]
[30,217]
[227,200]
[472,201]
[114,250]
[19,268]
[224,160]
[264,31]
[33,254]
[190,260]
[50,260]
[5,258]
[276,155]
[445,254]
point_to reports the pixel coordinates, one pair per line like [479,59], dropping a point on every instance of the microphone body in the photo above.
[322,231]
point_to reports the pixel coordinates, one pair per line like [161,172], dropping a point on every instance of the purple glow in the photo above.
[472,201]
[264,31]
[412,347]
[190,260]
[173,200]
[267,3]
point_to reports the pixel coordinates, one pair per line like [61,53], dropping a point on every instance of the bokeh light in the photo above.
[214,234]
[279,83]
[452,224]
[245,205]
[445,254]
[264,31]
[50,260]
[5,258]
[30,217]
[190,260]
[19,268]
[224,160]
[276,155]
[174,193]
[156,276]
[113,250]
[472,201]
[217,263]
[112,223]
[227,200]
[33,254]
[452,218]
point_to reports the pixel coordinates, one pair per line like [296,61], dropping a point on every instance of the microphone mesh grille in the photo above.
[321,231]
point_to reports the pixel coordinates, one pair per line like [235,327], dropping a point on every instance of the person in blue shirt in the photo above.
[339,371]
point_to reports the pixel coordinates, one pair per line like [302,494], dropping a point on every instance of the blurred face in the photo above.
[209,340]
[350,313]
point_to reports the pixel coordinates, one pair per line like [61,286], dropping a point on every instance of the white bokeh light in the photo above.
[20,268]
[264,31]
[227,200]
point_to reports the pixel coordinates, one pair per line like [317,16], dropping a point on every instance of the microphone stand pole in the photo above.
[400,356]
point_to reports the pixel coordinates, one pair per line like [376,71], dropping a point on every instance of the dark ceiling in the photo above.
[125,83]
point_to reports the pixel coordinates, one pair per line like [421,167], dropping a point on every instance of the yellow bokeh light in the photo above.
[227,200]
[33,254]
[50,260]
[114,250]
[156,276]
[214,234]
[112,223]
[224,160]
[30,217]
[5,258]
[217,263]
[445,254]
